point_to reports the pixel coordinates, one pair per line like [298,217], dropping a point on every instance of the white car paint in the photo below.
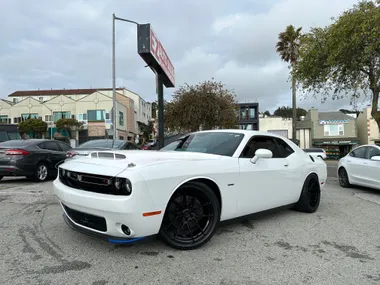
[362,165]
[245,186]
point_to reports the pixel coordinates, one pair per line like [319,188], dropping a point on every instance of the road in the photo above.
[332,168]
[339,244]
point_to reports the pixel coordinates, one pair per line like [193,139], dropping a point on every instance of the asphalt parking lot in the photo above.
[339,244]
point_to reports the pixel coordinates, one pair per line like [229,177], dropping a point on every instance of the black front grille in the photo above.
[87,220]
[88,182]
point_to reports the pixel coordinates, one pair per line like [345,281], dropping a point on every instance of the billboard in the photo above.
[153,53]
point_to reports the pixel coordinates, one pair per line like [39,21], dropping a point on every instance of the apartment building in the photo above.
[92,107]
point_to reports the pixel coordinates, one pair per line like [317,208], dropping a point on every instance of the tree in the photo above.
[35,126]
[207,104]
[68,125]
[267,113]
[288,48]
[154,109]
[146,130]
[343,59]
[287,112]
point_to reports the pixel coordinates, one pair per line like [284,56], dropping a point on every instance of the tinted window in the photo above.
[220,143]
[51,146]
[313,150]
[261,142]
[373,151]
[284,148]
[359,152]
[101,144]
[171,146]
[64,146]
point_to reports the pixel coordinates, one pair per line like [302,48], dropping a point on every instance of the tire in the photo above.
[42,172]
[191,217]
[310,196]
[343,178]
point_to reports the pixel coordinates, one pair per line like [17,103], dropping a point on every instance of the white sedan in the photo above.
[360,167]
[184,190]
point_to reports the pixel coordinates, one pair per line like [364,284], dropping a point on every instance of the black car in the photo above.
[101,144]
[36,159]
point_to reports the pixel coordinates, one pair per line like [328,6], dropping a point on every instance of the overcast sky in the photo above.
[68,44]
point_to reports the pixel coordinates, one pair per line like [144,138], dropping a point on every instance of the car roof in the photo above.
[237,131]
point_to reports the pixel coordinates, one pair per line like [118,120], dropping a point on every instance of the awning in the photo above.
[346,141]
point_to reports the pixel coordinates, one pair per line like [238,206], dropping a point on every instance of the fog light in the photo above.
[125,230]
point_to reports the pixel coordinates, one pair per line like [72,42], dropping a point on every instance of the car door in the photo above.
[357,165]
[373,167]
[270,182]
[56,154]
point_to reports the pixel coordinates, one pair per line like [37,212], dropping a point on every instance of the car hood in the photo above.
[132,159]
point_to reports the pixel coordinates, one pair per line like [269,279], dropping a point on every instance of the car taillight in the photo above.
[70,154]
[16,152]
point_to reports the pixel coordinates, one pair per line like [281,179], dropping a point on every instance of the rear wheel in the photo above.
[310,195]
[191,217]
[343,178]
[41,173]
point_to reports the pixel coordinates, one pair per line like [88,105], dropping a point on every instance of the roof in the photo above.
[330,116]
[58,92]
[306,124]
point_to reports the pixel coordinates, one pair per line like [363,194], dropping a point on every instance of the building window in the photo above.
[16,120]
[47,118]
[29,116]
[3,119]
[96,115]
[121,118]
[333,130]
[82,117]
[60,115]
[15,100]
[108,116]
[252,113]
[41,99]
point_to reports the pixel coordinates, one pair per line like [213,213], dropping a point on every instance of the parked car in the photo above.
[9,132]
[316,152]
[36,159]
[183,192]
[360,167]
[101,144]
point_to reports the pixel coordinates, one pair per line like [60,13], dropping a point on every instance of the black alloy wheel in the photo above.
[343,178]
[310,196]
[191,217]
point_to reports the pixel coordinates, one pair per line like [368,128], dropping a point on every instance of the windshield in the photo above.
[220,143]
[101,144]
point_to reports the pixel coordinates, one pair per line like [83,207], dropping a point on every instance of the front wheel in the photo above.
[191,217]
[310,195]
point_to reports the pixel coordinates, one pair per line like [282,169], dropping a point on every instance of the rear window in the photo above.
[101,144]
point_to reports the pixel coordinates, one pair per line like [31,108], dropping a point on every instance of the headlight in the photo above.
[123,185]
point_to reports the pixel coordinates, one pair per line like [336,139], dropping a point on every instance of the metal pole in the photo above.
[160,95]
[113,78]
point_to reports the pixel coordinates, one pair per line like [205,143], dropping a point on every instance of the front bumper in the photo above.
[106,215]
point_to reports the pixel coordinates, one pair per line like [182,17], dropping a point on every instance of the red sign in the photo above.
[158,51]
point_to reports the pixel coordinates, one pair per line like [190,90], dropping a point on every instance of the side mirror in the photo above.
[376,158]
[261,153]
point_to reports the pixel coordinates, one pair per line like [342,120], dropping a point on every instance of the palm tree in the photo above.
[288,45]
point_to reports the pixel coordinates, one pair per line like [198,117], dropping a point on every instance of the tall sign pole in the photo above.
[153,53]
[113,80]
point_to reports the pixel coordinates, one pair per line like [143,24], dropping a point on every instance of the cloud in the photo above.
[67,44]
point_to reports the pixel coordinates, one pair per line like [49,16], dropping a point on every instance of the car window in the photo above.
[102,144]
[130,146]
[359,152]
[64,147]
[373,151]
[219,143]
[51,146]
[284,148]
[257,142]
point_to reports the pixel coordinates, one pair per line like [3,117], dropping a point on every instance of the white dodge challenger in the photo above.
[184,190]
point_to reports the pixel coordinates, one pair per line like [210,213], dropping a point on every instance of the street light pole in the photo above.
[114,18]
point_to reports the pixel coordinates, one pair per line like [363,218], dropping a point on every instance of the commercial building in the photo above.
[368,130]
